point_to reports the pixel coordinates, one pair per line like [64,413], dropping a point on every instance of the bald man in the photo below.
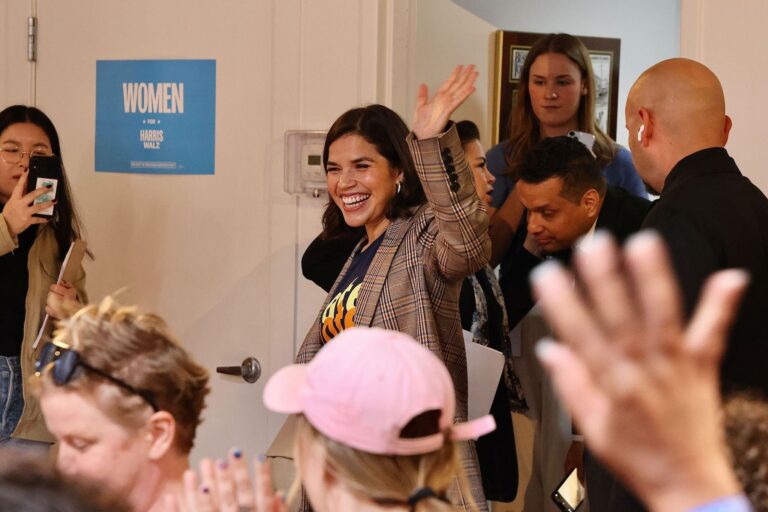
[708,213]
[711,216]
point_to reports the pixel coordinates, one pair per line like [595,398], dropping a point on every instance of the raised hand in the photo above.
[62,300]
[19,210]
[225,486]
[432,114]
[642,386]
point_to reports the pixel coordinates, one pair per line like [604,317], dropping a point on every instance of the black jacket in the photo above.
[712,218]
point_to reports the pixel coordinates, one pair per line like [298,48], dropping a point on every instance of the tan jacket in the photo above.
[43,265]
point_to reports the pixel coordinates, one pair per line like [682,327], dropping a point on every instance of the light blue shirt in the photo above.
[619,173]
[730,504]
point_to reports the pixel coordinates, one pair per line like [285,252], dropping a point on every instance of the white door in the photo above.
[217,256]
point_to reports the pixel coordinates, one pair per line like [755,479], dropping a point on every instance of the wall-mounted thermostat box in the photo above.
[304,172]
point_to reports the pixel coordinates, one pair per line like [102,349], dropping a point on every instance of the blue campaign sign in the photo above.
[156,116]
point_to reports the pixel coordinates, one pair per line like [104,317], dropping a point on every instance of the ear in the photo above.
[727,129]
[161,432]
[329,478]
[584,88]
[646,120]
[591,202]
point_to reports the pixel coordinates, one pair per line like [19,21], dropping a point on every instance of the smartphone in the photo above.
[570,493]
[44,171]
[585,138]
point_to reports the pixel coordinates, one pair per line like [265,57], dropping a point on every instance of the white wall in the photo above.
[447,34]
[731,42]
[217,256]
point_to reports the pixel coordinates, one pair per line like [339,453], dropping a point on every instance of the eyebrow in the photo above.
[557,76]
[355,161]
[11,141]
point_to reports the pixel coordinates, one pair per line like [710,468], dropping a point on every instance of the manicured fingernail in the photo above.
[205,489]
[262,458]
[223,464]
[597,241]
[544,348]
[734,277]
[545,269]
[48,185]
[237,453]
[642,239]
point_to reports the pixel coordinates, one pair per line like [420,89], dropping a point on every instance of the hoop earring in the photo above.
[398,188]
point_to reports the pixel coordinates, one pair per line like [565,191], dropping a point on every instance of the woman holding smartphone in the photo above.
[32,249]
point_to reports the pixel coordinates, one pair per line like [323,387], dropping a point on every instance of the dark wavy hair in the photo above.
[467,131]
[65,221]
[524,130]
[384,129]
[568,159]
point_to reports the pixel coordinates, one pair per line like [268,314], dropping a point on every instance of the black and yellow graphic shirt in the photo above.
[340,312]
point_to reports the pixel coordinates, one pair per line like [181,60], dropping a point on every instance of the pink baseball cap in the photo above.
[367,384]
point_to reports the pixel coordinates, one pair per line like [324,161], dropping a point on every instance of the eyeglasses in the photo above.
[13,155]
[66,360]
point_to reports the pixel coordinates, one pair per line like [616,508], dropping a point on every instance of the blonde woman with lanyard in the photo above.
[375,433]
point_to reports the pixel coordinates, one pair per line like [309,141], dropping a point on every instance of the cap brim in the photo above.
[282,393]
[473,429]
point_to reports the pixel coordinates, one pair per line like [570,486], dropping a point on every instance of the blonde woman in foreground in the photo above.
[375,432]
[123,400]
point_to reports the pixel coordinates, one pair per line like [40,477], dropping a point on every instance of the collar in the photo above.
[704,162]
[586,237]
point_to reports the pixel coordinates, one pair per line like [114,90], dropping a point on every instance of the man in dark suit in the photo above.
[566,198]
[709,214]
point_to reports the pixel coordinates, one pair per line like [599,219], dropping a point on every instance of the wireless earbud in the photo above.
[640,133]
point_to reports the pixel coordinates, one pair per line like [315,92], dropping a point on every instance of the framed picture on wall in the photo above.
[519,53]
[511,51]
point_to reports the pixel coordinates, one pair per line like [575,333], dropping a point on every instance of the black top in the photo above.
[14,281]
[713,218]
[339,314]
[323,260]
[496,451]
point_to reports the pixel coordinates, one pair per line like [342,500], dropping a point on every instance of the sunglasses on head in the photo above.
[65,363]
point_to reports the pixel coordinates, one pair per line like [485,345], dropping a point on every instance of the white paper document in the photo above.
[69,268]
[484,366]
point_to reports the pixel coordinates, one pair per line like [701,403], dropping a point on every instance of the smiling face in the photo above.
[554,221]
[93,446]
[484,180]
[18,138]
[361,183]
[556,88]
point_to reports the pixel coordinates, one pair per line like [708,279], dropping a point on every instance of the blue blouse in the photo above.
[619,173]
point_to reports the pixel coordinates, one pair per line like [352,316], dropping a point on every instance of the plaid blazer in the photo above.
[413,282]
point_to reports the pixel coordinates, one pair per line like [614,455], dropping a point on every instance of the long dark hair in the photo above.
[524,129]
[383,128]
[65,222]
